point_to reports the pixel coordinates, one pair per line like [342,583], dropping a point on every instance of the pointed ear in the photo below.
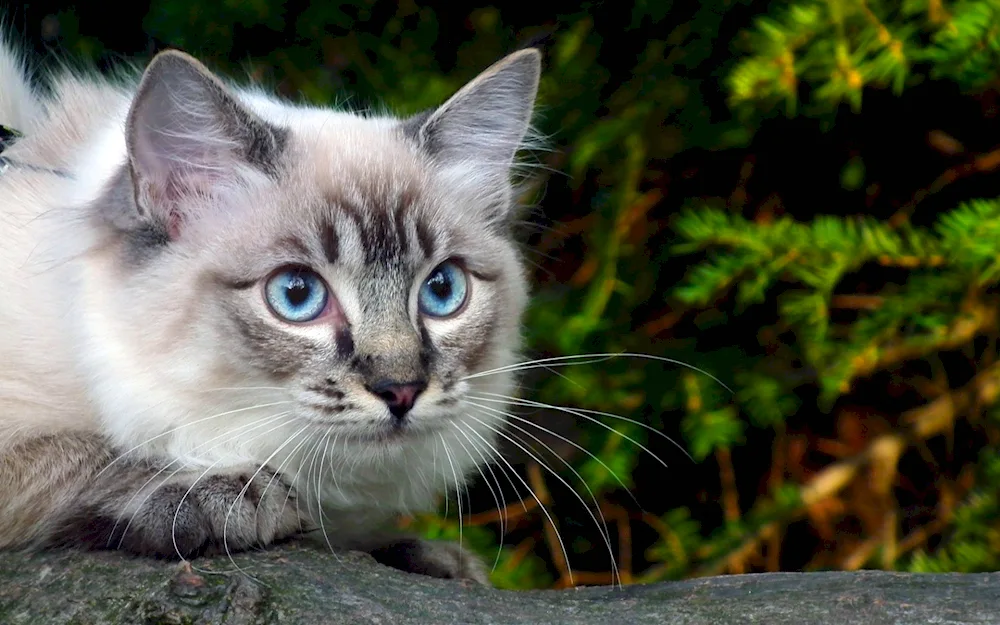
[484,123]
[187,136]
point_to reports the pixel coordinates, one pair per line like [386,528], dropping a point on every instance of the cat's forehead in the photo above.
[370,190]
[354,192]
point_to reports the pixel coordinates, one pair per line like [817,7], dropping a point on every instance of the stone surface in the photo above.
[300,584]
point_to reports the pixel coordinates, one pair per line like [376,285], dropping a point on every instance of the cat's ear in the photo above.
[485,123]
[187,135]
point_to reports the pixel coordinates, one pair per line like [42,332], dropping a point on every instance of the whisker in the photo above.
[295,480]
[180,504]
[584,359]
[541,506]
[246,487]
[602,524]
[333,473]
[184,425]
[496,499]
[495,453]
[585,414]
[510,415]
[242,388]
[230,435]
[319,489]
[458,491]
[444,477]
[279,471]
[309,461]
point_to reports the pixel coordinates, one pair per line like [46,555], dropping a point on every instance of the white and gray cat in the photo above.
[226,319]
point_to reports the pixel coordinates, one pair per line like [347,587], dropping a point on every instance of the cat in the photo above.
[228,319]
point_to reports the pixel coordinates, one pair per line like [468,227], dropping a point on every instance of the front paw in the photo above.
[193,515]
[435,558]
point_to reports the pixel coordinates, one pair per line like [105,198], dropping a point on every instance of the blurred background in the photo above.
[795,197]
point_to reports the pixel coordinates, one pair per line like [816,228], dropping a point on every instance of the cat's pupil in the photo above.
[297,291]
[440,286]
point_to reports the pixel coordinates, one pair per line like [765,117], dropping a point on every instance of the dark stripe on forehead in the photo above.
[383,245]
[381,239]
[404,211]
[425,237]
[342,206]
[402,208]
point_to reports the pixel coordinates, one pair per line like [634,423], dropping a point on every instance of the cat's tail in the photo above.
[19,105]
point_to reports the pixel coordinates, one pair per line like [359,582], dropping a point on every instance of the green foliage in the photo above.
[840,48]
[957,254]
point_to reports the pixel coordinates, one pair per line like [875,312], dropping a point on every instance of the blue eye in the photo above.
[444,292]
[296,294]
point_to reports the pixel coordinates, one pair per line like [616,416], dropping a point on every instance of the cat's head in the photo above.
[305,271]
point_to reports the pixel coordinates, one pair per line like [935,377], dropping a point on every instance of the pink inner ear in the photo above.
[171,180]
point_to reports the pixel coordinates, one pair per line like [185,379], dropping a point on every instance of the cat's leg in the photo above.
[436,558]
[68,489]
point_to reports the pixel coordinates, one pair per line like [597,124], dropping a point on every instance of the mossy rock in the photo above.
[301,584]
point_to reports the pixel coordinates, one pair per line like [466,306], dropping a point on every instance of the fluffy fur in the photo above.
[150,399]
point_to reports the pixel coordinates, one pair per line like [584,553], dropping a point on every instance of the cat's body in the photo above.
[165,386]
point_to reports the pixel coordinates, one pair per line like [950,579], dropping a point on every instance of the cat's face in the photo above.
[369,287]
[317,273]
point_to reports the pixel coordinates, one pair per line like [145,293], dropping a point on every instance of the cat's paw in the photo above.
[193,515]
[435,558]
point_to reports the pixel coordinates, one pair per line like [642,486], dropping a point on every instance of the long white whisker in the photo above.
[230,435]
[187,493]
[541,506]
[295,481]
[184,425]
[308,457]
[606,533]
[602,524]
[458,489]
[583,359]
[180,504]
[585,414]
[309,463]
[496,453]
[511,415]
[279,471]
[319,489]
[496,499]
[242,388]
[444,477]
[243,491]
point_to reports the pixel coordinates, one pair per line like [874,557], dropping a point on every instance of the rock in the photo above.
[300,584]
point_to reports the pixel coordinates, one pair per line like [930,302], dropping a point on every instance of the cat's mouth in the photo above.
[382,432]
[396,433]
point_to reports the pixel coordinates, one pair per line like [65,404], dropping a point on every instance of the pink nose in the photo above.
[398,397]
